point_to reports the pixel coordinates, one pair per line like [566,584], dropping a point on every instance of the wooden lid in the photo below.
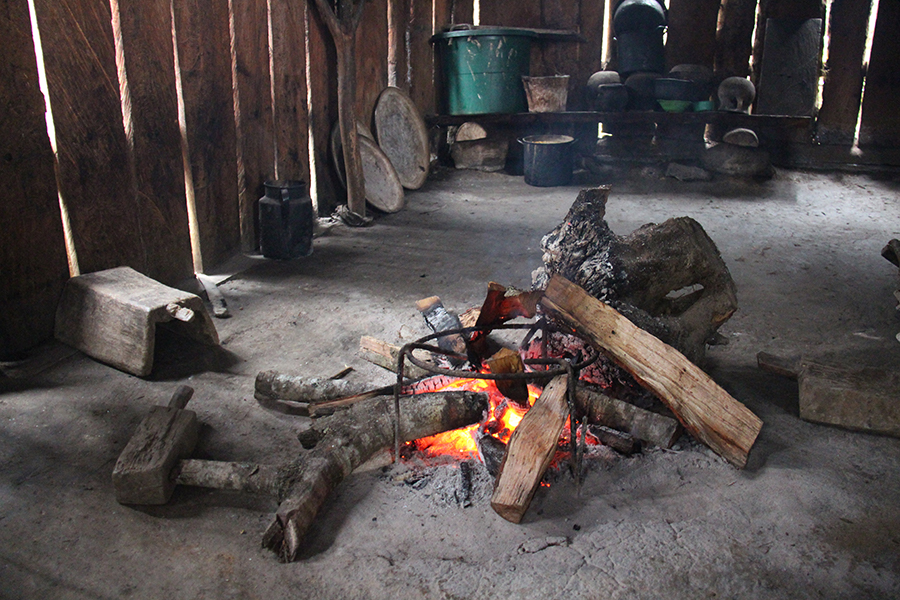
[402,136]
[383,188]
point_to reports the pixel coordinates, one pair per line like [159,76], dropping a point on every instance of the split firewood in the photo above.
[348,439]
[529,451]
[668,279]
[503,304]
[509,361]
[647,426]
[385,356]
[707,411]
[862,399]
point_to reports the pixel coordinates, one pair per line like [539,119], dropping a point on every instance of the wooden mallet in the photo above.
[143,473]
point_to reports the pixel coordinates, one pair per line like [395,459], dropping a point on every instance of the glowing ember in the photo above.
[502,419]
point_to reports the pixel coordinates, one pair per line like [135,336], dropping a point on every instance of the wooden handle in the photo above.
[181,396]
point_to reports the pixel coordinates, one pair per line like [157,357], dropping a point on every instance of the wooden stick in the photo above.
[645,425]
[385,356]
[530,450]
[350,438]
[707,411]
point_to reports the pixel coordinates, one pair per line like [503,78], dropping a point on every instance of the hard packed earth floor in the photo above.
[814,514]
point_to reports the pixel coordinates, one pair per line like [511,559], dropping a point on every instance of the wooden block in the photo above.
[509,361]
[385,356]
[530,449]
[112,315]
[707,411]
[142,474]
[860,399]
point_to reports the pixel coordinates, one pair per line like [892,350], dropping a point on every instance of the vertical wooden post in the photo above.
[371,59]
[155,139]
[842,93]
[422,57]
[255,128]
[204,53]
[323,109]
[32,250]
[692,32]
[289,87]
[880,118]
[734,41]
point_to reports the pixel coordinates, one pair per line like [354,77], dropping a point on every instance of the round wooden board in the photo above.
[337,148]
[402,136]
[383,188]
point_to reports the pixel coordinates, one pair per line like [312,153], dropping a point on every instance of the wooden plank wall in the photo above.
[32,249]
[255,124]
[115,108]
[880,118]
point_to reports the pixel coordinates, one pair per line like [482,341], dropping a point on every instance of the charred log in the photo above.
[668,279]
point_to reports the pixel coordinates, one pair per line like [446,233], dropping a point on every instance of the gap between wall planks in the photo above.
[204,53]
[880,126]
[255,125]
[146,27]
[33,266]
[842,92]
[93,173]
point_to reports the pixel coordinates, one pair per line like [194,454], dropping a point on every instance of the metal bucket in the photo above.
[548,159]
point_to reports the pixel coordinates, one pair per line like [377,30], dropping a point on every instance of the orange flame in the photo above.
[503,417]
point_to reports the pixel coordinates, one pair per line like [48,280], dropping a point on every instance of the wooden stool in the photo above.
[112,315]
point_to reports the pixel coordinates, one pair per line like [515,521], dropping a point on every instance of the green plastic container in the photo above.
[483,68]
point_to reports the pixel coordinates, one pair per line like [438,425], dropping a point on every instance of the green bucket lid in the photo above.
[478,31]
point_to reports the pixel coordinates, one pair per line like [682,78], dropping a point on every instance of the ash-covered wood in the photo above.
[348,439]
[668,279]
[653,428]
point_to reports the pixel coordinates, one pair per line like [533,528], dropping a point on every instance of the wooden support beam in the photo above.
[707,411]
[529,451]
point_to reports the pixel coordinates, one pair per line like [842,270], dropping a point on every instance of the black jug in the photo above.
[285,220]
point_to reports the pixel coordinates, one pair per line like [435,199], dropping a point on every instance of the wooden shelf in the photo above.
[630,117]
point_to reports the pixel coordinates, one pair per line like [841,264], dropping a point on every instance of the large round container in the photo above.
[482,69]
[548,159]
[640,50]
[285,220]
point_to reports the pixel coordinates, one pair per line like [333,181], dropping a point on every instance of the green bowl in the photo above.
[704,106]
[675,106]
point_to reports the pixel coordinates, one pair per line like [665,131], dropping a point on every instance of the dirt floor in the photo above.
[814,514]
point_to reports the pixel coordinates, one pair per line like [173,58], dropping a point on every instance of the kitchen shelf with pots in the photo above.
[729,119]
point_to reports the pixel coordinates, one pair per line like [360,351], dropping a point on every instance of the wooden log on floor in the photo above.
[707,411]
[861,399]
[650,427]
[530,450]
[348,439]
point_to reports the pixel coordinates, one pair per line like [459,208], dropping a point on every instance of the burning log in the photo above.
[624,443]
[348,439]
[530,450]
[492,453]
[668,279]
[707,411]
[644,425]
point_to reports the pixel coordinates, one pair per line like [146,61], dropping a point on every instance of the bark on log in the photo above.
[669,279]
[707,411]
[239,477]
[644,425]
[350,438]
[530,450]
